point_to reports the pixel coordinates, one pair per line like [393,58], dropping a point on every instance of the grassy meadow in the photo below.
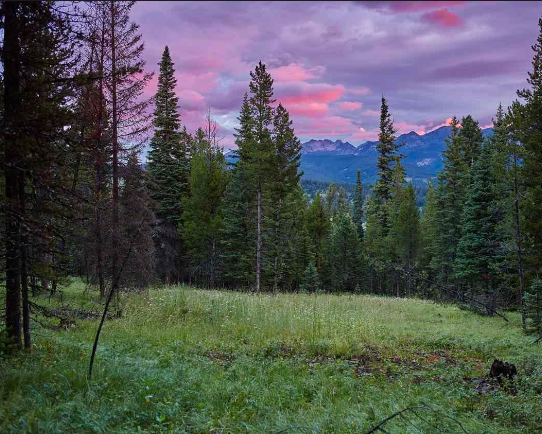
[192,361]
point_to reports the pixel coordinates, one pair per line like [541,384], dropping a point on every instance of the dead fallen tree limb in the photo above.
[110,297]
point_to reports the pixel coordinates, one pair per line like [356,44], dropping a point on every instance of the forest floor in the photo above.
[193,361]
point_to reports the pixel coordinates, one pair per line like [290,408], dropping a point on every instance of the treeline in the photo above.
[312,188]
[77,202]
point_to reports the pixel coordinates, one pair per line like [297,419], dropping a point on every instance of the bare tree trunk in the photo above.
[115,153]
[24,275]
[519,251]
[399,293]
[99,245]
[277,232]
[12,159]
[100,164]
[259,241]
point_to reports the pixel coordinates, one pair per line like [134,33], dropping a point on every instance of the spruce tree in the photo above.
[38,62]
[450,198]
[477,258]
[375,242]
[318,226]
[203,216]
[136,221]
[311,281]
[404,238]
[283,179]
[428,229]
[167,162]
[239,231]
[343,254]
[169,170]
[470,140]
[509,192]
[533,307]
[387,148]
[358,205]
[527,129]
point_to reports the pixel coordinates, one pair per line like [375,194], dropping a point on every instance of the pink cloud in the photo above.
[416,6]
[442,17]
[431,126]
[296,72]
[310,110]
[359,91]
[327,127]
[405,127]
[350,106]
[309,93]
[195,81]
[191,100]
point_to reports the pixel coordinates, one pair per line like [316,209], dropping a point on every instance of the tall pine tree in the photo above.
[169,170]
[477,258]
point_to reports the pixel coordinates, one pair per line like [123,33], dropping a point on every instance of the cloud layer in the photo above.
[332,61]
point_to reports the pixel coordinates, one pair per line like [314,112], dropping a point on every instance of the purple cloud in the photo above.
[332,61]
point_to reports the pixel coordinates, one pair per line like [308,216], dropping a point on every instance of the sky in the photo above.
[332,61]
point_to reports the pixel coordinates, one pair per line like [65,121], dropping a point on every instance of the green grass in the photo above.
[189,361]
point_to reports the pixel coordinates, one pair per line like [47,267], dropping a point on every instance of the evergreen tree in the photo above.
[311,281]
[169,170]
[256,149]
[375,243]
[331,199]
[470,140]
[318,226]
[343,254]
[428,229]
[358,206]
[239,230]
[294,241]
[450,196]
[202,220]
[137,219]
[533,304]
[387,148]
[404,237]
[527,129]
[477,256]
[507,154]
[283,179]
[38,61]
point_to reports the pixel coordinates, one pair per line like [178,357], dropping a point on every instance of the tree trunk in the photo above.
[519,251]
[24,256]
[277,246]
[11,60]
[259,241]
[115,154]
[100,165]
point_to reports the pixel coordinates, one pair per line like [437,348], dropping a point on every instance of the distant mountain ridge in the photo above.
[325,160]
[338,161]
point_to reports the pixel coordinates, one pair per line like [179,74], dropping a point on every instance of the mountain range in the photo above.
[338,161]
